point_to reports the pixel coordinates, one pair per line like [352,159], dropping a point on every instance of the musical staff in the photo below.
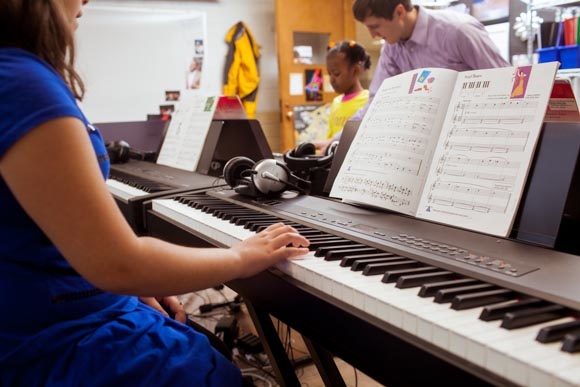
[383,162]
[512,112]
[469,197]
[408,144]
[377,188]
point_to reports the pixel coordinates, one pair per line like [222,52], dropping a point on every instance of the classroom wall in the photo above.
[220,16]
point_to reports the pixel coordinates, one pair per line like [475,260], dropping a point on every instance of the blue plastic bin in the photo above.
[570,57]
[548,54]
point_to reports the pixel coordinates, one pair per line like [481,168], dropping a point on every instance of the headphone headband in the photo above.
[267,177]
[304,157]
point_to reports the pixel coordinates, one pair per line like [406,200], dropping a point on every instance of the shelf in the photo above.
[569,72]
[534,5]
[538,4]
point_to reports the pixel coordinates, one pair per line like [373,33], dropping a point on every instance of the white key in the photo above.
[227,234]
[123,191]
[568,377]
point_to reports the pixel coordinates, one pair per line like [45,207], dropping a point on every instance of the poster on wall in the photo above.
[194,70]
[172,95]
[313,86]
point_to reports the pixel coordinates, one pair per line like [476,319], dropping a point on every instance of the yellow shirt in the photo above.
[341,111]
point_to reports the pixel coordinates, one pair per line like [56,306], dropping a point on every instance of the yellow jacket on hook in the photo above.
[241,74]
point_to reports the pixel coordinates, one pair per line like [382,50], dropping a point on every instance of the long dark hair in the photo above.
[42,28]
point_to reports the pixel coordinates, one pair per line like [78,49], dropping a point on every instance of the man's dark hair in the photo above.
[362,9]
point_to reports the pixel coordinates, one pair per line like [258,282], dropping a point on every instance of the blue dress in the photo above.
[56,328]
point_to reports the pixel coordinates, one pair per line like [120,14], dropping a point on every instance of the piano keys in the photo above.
[495,299]
[135,182]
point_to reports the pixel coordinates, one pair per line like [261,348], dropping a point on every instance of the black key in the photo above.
[209,208]
[524,318]
[393,276]
[227,214]
[363,264]
[317,241]
[497,312]
[302,231]
[571,343]
[411,281]
[446,295]
[199,204]
[309,232]
[257,227]
[230,209]
[323,243]
[254,226]
[381,268]
[192,202]
[339,254]
[241,220]
[234,218]
[321,251]
[429,290]
[557,332]
[326,237]
[474,300]
[350,259]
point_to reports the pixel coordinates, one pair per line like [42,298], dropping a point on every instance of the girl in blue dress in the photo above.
[71,268]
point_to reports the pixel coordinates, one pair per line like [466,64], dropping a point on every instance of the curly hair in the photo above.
[353,52]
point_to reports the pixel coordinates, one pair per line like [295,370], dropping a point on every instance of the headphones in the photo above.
[303,160]
[267,177]
[119,151]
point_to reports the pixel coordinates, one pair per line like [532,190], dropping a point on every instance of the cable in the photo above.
[258,367]
[252,375]
[233,305]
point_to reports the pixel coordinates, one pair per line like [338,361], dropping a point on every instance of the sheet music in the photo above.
[389,158]
[486,147]
[187,131]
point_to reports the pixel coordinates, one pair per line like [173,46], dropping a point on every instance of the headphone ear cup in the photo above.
[235,168]
[118,151]
[270,177]
[304,149]
[331,149]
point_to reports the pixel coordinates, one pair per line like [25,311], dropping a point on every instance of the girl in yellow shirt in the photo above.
[345,61]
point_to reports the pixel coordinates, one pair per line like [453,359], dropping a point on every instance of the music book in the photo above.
[185,137]
[449,147]
[190,122]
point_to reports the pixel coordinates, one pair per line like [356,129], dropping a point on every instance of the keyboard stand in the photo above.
[325,364]
[273,346]
[281,365]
